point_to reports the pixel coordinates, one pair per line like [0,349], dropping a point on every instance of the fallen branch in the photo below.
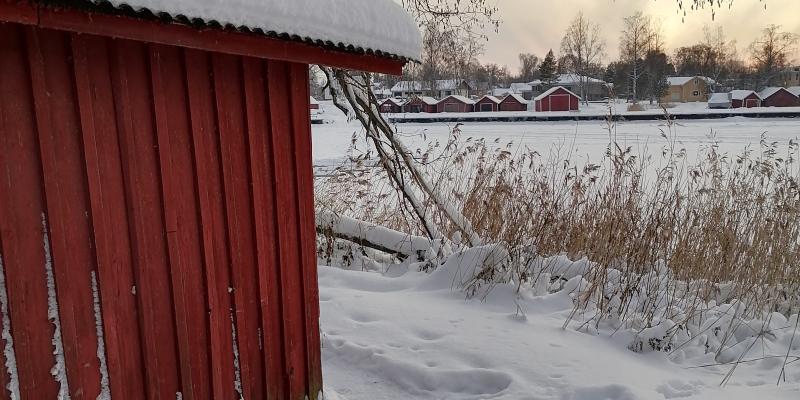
[372,236]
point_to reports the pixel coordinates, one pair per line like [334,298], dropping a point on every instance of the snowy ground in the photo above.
[412,337]
[409,335]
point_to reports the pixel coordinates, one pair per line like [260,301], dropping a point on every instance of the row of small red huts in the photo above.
[555,99]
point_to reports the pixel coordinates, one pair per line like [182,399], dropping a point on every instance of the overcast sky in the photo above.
[534,26]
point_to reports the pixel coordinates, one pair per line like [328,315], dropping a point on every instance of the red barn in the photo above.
[157,235]
[420,104]
[513,102]
[392,106]
[487,104]
[455,104]
[745,99]
[557,99]
[778,97]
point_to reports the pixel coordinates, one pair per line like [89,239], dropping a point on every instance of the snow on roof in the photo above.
[553,89]
[396,102]
[314,101]
[517,98]
[768,92]
[501,91]
[380,26]
[719,98]
[520,87]
[742,94]
[493,99]
[682,80]
[425,99]
[571,79]
[460,98]
[795,90]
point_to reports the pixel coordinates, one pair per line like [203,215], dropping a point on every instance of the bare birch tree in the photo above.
[583,45]
[635,42]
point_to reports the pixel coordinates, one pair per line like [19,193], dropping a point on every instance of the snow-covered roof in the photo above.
[682,80]
[426,99]
[517,98]
[552,90]
[795,90]
[394,101]
[460,98]
[719,98]
[501,91]
[520,87]
[572,79]
[314,101]
[742,94]
[490,98]
[768,92]
[379,26]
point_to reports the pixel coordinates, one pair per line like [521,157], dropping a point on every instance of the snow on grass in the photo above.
[8,349]
[413,336]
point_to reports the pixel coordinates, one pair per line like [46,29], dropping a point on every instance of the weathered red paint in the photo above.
[486,104]
[781,98]
[417,105]
[559,100]
[174,165]
[511,103]
[750,101]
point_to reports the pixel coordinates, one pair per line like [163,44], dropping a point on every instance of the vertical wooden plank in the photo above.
[212,217]
[130,77]
[231,117]
[21,221]
[181,215]
[288,233]
[259,137]
[109,216]
[300,98]
[67,204]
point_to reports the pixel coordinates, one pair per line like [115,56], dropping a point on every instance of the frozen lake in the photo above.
[588,139]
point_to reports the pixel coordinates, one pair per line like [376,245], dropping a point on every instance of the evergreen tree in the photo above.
[548,68]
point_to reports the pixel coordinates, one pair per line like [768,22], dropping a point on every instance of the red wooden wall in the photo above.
[182,180]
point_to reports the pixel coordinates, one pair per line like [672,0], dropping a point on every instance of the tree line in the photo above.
[639,73]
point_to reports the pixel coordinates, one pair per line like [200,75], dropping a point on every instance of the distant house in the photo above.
[595,89]
[778,97]
[439,88]
[685,89]
[313,104]
[513,102]
[719,101]
[745,99]
[487,104]
[524,90]
[790,77]
[455,104]
[420,104]
[795,90]
[392,106]
[557,99]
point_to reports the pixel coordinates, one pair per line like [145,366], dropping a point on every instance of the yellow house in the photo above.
[684,89]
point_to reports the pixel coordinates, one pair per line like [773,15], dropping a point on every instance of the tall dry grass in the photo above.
[728,221]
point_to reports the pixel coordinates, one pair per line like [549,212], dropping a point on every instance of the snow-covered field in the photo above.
[588,139]
[408,335]
[405,334]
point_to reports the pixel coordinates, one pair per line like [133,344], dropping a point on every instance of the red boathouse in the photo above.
[778,97]
[557,99]
[157,234]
